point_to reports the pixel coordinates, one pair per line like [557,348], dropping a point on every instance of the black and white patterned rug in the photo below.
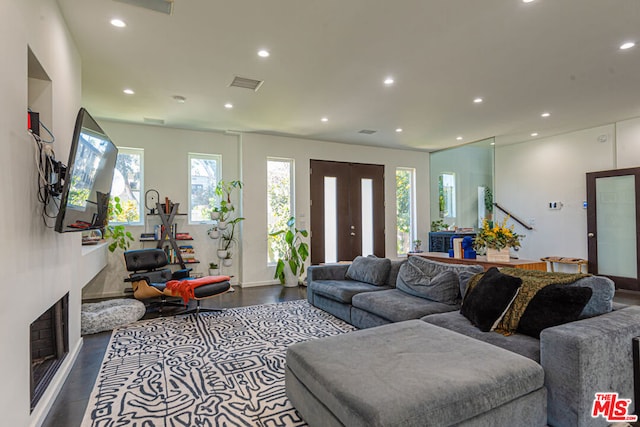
[212,370]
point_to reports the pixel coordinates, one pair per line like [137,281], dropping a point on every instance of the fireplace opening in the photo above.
[49,346]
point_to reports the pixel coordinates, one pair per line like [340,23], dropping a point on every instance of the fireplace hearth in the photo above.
[49,346]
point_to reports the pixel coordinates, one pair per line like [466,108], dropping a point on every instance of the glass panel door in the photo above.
[616,225]
[367,216]
[330,219]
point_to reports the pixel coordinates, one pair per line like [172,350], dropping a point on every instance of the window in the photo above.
[205,171]
[128,185]
[279,201]
[447,195]
[405,209]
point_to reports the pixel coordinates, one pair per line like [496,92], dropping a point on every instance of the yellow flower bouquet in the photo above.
[496,236]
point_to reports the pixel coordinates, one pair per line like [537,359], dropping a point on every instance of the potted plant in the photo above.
[214,270]
[120,238]
[294,252]
[497,239]
[416,245]
[227,261]
[213,233]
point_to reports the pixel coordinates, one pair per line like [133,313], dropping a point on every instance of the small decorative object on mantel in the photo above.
[497,239]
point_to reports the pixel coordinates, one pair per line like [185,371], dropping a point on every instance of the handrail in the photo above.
[513,217]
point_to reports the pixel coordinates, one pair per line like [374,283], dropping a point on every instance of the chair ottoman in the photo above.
[413,374]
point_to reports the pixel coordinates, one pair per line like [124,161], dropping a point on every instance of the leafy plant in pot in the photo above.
[120,238]
[214,269]
[294,252]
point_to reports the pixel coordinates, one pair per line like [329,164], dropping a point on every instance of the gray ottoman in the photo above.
[413,374]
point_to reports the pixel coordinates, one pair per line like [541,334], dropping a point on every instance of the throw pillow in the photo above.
[442,287]
[369,270]
[553,305]
[486,303]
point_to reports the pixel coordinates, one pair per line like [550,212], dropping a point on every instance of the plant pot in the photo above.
[215,215]
[222,225]
[498,255]
[214,234]
[227,262]
[222,253]
[214,272]
[290,279]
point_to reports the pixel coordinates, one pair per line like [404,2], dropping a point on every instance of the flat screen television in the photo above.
[84,201]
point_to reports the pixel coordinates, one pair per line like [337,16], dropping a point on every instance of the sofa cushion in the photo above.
[369,270]
[552,306]
[486,303]
[435,285]
[342,290]
[396,305]
[601,301]
[394,270]
[518,343]
[431,268]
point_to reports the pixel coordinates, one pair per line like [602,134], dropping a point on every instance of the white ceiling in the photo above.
[330,57]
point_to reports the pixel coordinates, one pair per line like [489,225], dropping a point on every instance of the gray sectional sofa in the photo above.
[579,358]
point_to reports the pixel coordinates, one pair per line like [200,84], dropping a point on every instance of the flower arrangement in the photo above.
[496,236]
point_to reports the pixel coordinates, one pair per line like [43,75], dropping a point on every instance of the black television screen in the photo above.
[85,194]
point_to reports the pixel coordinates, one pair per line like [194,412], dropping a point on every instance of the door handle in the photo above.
[591,235]
[352,233]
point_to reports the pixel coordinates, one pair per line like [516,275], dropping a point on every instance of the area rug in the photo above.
[211,370]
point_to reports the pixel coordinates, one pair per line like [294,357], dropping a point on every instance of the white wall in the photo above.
[39,263]
[531,174]
[255,150]
[628,144]
[166,169]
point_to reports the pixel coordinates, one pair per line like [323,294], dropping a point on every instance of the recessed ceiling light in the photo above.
[324,119]
[118,23]
[545,114]
[228,105]
[389,81]
[527,1]
[399,130]
[534,134]
[478,100]
[179,99]
[459,138]
[263,53]
[627,45]
[129,91]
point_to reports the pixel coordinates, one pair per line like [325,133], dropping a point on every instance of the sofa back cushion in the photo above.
[601,301]
[435,281]
[372,270]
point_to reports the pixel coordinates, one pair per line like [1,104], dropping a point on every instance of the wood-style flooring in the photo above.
[69,407]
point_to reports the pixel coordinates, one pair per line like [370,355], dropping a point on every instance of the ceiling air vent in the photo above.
[153,121]
[164,6]
[246,83]
[368,131]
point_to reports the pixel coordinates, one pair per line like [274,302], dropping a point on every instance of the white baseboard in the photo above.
[256,284]
[43,407]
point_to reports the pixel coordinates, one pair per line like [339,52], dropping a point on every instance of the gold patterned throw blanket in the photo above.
[532,282]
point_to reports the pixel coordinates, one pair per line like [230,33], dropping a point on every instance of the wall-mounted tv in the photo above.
[84,200]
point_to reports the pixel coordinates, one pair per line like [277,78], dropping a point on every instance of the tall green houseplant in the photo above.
[120,237]
[294,251]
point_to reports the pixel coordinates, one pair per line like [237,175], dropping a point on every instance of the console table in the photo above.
[440,241]
[524,264]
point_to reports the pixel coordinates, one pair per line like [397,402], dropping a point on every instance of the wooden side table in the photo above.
[563,260]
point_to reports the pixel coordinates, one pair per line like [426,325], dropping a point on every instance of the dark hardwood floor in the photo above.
[69,407]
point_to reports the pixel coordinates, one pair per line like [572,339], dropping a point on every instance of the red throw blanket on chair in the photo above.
[184,288]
